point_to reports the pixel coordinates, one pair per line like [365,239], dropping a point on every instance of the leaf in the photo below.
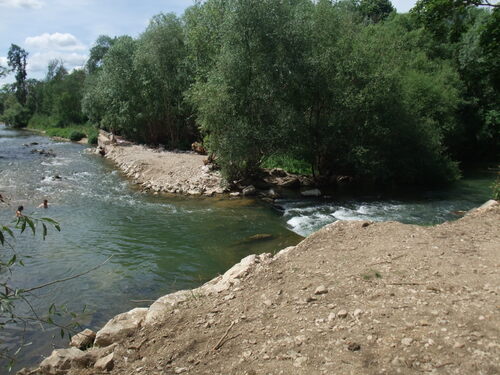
[2,238]
[31,225]
[57,227]
[44,231]
[23,225]
[62,333]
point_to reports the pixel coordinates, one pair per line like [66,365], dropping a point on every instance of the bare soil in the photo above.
[353,298]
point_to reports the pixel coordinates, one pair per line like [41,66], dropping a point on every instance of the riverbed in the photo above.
[159,244]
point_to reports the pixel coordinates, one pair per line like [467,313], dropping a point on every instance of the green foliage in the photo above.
[288,163]
[11,297]
[375,10]
[496,189]
[92,137]
[14,114]
[75,136]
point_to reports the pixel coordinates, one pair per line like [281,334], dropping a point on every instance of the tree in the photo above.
[16,59]
[375,10]
[97,53]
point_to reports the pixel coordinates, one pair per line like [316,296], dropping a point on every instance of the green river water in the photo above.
[159,244]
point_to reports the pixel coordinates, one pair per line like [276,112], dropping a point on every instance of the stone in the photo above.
[321,290]
[342,314]
[165,304]
[353,347]
[59,362]
[331,316]
[106,363]
[83,340]
[357,313]
[311,193]
[407,341]
[278,172]
[120,327]
[235,194]
[249,190]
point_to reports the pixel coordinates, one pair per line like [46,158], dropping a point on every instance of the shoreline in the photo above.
[351,298]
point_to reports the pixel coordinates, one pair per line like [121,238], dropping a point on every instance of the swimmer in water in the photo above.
[19,212]
[44,204]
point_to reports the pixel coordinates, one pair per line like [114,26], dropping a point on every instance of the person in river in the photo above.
[19,212]
[44,204]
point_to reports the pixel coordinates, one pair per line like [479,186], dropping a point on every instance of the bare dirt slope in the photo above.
[353,298]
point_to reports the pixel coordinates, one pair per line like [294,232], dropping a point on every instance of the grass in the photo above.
[371,274]
[289,164]
[45,124]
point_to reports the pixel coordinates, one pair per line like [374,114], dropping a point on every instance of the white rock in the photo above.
[407,341]
[321,290]
[165,304]
[120,327]
[342,313]
[60,361]
[357,312]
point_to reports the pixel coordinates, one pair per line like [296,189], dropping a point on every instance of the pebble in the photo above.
[180,370]
[321,290]
[459,345]
[357,312]
[331,317]
[342,314]
[353,347]
[407,341]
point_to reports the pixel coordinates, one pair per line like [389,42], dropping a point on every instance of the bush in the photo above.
[75,136]
[92,138]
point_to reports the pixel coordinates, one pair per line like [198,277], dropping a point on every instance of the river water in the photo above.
[159,244]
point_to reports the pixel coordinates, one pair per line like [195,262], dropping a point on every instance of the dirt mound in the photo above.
[353,298]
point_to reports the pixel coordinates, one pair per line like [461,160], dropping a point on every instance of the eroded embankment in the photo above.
[353,298]
[162,171]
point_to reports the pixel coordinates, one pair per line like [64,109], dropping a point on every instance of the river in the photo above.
[158,244]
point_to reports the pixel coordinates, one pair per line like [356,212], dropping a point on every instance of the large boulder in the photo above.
[120,327]
[163,304]
[60,361]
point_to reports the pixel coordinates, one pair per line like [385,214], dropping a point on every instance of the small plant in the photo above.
[75,136]
[496,189]
[371,274]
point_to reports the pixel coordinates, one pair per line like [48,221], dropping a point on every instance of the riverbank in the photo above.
[158,171]
[189,173]
[354,297]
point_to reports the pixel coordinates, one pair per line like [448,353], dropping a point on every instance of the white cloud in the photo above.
[3,61]
[58,41]
[27,4]
[39,61]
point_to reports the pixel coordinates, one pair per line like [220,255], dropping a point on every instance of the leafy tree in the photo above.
[375,10]
[97,53]
[16,59]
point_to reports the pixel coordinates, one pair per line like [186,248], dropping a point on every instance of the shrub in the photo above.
[75,136]
[92,138]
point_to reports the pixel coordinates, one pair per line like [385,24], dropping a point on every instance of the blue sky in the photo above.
[66,29]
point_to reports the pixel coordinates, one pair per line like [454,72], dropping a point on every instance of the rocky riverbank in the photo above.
[158,171]
[189,173]
[353,298]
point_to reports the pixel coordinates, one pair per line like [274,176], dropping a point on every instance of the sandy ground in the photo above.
[353,298]
[163,171]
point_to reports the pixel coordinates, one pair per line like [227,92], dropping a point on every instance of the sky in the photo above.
[66,29]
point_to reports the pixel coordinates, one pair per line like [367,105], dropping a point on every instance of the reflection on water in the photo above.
[158,244]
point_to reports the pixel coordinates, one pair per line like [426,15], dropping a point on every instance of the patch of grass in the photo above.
[288,163]
[74,132]
[371,274]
